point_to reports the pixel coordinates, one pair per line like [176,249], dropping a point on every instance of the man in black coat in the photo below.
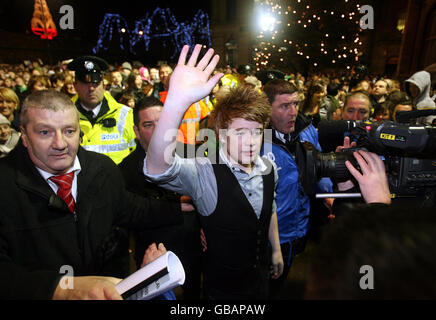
[184,240]
[44,232]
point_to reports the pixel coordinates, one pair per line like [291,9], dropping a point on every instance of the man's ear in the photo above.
[136,130]
[23,136]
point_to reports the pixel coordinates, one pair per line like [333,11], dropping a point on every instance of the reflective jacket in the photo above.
[116,142]
[230,80]
[191,122]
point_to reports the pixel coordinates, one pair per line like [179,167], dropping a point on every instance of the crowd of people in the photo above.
[322,95]
[96,155]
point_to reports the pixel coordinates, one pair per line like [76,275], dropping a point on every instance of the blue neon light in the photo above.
[161,24]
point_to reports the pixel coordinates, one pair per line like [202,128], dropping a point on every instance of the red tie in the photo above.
[64,183]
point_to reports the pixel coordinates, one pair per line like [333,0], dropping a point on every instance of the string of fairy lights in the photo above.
[161,24]
[305,28]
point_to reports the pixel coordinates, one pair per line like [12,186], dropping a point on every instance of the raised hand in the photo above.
[190,81]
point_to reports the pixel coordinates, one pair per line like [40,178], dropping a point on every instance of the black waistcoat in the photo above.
[238,255]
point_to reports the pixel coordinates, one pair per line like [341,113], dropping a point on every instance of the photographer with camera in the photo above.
[378,250]
[408,151]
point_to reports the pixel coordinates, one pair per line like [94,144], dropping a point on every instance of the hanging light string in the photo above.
[290,22]
[161,24]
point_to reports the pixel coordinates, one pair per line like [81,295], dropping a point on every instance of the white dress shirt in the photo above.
[76,168]
[95,111]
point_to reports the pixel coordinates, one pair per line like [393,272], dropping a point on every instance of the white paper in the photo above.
[168,263]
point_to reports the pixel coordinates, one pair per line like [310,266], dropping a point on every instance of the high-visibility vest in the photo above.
[229,80]
[116,142]
[191,121]
[163,96]
[209,102]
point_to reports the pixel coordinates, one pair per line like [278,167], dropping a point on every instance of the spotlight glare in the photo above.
[267,22]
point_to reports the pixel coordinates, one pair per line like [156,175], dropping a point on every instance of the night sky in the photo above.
[15,16]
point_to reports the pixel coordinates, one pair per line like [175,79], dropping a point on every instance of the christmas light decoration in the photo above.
[161,24]
[42,23]
[308,30]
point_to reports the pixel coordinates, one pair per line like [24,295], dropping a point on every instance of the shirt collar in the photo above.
[280,136]
[76,168]
[94,111]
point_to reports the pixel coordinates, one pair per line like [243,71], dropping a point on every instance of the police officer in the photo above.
[106,125]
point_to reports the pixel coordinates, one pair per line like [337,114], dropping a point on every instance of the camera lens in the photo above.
[333,165]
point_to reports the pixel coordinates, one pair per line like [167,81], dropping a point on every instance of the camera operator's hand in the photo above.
[373,181]
[346,185]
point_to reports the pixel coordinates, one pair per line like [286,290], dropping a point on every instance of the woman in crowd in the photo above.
[38,83]
[134,86]
[68,87]
[9,103]
[313,103]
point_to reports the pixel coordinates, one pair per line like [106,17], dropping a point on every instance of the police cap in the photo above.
[88,68]
[267,75]
[247,69]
